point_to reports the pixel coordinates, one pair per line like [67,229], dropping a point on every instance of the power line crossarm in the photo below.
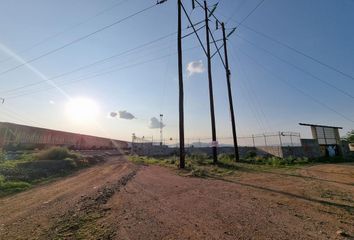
[194,30]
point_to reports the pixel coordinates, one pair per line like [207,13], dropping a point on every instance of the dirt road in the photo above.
[120,200]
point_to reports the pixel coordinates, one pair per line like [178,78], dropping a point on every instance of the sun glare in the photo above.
[82,110]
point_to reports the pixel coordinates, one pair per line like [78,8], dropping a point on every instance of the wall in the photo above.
[28,137]
[309,149]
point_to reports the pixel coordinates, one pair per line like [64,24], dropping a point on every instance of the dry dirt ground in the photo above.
[120,200]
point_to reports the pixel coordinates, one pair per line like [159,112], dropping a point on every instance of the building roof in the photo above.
[315,125]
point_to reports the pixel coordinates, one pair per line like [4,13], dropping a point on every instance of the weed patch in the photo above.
[29,169]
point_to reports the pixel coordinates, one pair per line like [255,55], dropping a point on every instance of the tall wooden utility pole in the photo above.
[228,75]
[211,97]
[180,77]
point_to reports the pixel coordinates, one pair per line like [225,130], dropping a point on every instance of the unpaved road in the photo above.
[120,200]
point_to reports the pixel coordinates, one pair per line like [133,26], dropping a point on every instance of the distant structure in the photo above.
[327,137]
[161,129]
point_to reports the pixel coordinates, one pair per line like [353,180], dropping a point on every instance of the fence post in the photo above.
[281,145]
[265,140]
[291,139]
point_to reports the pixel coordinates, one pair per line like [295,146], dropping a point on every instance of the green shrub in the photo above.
[199,158]
[303,160]
[13,186]
[56,153]
[72,162]
[226,157]
[2,156]
[199,172]
[250,154]
[274,161]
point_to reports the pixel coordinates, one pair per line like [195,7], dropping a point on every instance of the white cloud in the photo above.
[126,115]
[52,102]
[113,114]
[155,123]
[195,67]
[122,115]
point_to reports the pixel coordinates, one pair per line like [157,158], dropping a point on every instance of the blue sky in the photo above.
[269,94]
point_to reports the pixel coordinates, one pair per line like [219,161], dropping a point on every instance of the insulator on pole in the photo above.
[213,10]
[230,33]
[160,2]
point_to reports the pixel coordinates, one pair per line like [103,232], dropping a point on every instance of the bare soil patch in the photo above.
[121,200]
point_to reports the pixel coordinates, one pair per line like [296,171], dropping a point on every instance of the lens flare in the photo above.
[82,110]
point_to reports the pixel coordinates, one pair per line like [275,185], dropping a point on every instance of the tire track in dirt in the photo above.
[36,213]
[81,222]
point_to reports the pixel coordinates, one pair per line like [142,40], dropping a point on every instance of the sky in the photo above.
[274,85]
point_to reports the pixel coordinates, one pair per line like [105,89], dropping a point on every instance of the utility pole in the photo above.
[228,75]
[211,97]
[180,77]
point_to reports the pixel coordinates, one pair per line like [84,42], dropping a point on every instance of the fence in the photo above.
[279,144]
[283,139]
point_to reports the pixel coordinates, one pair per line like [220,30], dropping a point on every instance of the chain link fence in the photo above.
[283,139]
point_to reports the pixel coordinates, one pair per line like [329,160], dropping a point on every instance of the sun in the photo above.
[82,110]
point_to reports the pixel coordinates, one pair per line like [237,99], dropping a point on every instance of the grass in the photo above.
[201,165]
[30,169]
[197,165]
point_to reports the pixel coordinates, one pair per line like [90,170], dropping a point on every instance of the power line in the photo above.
[194,30]
[78,40]
[253,105]
[66,30]
[165,78]
[253,96]
[239,6]
[90,64]
[250,13]
[19,116]
[115,69]
[279,78]
[298,68]
[88,77]
[302,53]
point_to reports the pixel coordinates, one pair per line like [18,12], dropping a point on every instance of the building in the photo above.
[327,138]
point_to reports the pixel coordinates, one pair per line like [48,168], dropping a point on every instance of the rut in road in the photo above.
[82,221]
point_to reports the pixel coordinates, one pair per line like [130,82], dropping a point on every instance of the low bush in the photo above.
[199,172]
[9,187]
[250,154]
[336,159]
[28,169]
[2,156]
[200,158]
[226,157]
[55,153]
